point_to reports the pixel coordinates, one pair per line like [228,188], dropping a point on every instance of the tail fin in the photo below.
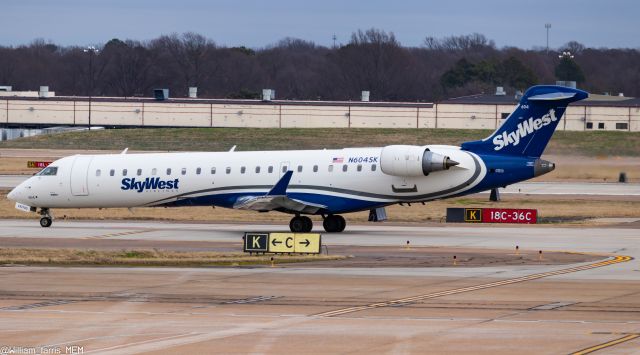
[530,126]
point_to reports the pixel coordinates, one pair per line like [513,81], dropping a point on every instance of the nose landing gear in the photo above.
[46,220]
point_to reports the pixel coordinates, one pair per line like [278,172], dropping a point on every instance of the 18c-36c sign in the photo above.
[492,215]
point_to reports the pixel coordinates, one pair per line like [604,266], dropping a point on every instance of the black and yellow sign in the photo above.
[473,215]
[256,242]
[281,243]
[308,243]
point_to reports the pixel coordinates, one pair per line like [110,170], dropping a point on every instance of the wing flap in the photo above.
[277,202]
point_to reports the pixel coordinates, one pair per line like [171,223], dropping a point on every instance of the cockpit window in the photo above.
[48,171]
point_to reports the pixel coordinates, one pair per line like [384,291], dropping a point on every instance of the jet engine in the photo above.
[412,160]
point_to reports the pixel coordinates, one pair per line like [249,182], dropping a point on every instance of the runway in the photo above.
[531,308]
[525,188]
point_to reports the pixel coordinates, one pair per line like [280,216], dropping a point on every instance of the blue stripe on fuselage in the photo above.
[503,170]
[335,204]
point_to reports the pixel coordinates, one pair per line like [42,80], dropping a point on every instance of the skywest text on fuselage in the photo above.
[148,184]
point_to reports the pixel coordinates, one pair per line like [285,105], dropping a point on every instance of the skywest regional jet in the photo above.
[306,182]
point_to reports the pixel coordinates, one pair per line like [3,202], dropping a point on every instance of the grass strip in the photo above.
[146,258]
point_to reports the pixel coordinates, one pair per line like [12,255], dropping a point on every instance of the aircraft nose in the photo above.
[13,194]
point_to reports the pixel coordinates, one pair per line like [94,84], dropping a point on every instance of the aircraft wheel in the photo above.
[343,223]
[45,222]
[308,224]
[298,224]
[334,224]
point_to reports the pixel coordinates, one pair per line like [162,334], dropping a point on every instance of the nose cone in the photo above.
[13,195]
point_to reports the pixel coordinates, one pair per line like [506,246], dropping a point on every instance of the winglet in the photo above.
[280,188]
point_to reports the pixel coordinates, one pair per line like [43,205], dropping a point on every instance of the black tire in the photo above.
[343,223]
[297,225]
[333,224]
[308,224]
[45,222]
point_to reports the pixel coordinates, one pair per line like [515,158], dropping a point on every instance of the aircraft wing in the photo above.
[277,203]
[277,200]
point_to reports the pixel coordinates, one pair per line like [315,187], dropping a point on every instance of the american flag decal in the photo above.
[338,160]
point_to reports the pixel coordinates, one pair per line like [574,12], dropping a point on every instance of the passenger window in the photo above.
[330,168]
[154,171]
[270,170]
[98,172]
[112,172]
[228,170]
[139,172]
[257,170]
[184,171]
[198,171]
[284,168]
[124,172]
[345,167]
[315,168]
[359,167]
[299,168]
[373,167]
[213,171]
[242,170]
[168,171]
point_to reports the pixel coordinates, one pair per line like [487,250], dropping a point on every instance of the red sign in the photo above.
[38,164]
[509,215]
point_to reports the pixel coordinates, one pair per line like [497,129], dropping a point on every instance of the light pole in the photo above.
[91,50]
[547,26]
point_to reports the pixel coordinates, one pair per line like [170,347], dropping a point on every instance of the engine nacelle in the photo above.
[412,160]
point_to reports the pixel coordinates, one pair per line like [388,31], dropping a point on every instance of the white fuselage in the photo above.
[344,180]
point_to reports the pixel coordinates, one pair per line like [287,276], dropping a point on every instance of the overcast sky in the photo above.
[253,23]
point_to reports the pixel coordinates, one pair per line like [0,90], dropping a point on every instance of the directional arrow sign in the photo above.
[307,243]
[281,243]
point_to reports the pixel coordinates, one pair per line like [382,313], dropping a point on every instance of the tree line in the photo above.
[372,60]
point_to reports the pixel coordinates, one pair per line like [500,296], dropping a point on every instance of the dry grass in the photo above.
[17,166]
[73,257]
[221,139]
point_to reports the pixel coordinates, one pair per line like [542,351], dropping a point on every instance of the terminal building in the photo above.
[486,111]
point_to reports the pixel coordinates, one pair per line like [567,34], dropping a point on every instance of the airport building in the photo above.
[43,109]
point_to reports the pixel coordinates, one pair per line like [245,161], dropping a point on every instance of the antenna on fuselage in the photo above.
[233,149]
[125,150]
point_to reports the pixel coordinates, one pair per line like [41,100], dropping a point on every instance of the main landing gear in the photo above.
[45,220]
[303,224]
[334,223]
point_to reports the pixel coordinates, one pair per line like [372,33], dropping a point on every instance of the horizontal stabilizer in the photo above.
[553,96]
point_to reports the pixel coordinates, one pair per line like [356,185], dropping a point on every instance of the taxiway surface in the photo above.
[533,308]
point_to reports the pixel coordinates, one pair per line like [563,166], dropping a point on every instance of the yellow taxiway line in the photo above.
[413,299]
[606,345]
